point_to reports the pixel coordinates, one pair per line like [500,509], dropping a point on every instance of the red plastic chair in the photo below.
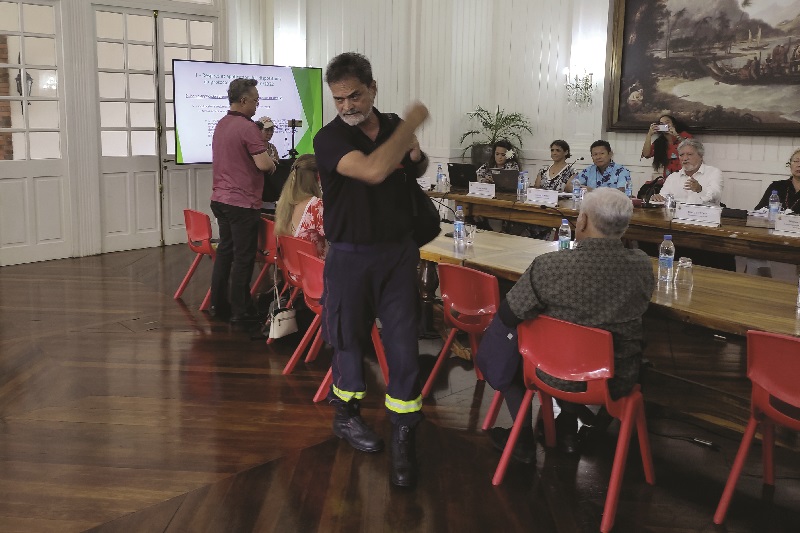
[312,283]
[198,230]
[267,252]
[288,247]
[773,366]
[470,300]
[578,353]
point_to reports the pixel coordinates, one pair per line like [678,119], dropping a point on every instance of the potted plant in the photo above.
[494,127]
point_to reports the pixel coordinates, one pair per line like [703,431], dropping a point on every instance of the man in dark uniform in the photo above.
[367,162]
[239,160]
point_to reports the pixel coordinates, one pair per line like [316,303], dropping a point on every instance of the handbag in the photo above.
[281,321]
[425,221]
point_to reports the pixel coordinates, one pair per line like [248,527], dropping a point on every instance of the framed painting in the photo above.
[729,66]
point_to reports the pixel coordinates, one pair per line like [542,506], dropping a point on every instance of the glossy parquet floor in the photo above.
[122,410]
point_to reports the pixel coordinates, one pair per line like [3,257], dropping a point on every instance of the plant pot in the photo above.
[480,154]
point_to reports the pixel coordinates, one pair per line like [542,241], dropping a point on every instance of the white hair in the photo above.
[694,143]
[609,210]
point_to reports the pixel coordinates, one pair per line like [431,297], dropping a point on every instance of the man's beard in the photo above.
[356,118]
[689,168]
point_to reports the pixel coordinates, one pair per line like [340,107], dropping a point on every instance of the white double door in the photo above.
[142,192]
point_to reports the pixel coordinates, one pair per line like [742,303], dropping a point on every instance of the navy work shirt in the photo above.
[356,212]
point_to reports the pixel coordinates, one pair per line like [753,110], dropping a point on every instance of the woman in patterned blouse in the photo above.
[558,176]
[299,211]
[499,159]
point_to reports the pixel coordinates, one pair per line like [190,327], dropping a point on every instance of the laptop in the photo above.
[461,174]
[505,180]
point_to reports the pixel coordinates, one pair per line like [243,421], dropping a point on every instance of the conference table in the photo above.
[647,225]
[720,300]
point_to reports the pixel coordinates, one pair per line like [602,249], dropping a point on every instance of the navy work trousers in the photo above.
[363,282]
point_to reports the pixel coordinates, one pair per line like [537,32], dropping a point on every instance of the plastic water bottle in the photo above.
[564,235]
[576,190]
[666,256]
[522,190]
[628,187]
[440,179]
[459,237]
[774,208]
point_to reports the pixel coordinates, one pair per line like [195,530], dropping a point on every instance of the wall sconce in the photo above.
[28,86]
[580,89]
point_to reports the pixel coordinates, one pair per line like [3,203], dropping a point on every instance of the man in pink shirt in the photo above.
[239,160]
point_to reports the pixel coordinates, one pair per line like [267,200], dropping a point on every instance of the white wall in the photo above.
[456,54]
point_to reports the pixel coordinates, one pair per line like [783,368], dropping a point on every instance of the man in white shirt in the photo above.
[696,183]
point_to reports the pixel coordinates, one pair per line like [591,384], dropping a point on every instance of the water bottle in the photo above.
[774,208]
[666,255]
[628,187]
[458,227]
[576,190]
[440,179]
[564,235]
[522,190]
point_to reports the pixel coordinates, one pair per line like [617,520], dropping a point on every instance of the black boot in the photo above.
[348,425]
[404,457]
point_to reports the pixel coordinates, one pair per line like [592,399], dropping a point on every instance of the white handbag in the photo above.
[282,320]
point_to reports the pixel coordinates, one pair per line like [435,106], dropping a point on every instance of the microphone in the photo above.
[570,165]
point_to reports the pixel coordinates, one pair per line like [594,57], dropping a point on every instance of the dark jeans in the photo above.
[236,255]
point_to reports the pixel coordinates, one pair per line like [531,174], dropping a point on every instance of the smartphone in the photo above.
[662,127]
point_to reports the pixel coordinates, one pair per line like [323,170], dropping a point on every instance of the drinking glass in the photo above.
[683,274]
[470,230]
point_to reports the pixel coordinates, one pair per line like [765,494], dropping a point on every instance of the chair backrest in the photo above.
[198,231]
[773,365]
[312,268]
[567,351]
[473,295]
[288,248]
[267,241]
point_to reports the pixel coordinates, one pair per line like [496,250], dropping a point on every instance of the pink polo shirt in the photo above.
[237,179]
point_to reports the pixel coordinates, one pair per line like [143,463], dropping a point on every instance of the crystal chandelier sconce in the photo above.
[580,89]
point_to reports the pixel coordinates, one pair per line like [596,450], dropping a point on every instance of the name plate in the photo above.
[788,225]
[542,197]
[484,190]
[425,183]
[699,215]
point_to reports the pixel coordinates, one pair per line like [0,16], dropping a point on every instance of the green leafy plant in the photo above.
[496,126]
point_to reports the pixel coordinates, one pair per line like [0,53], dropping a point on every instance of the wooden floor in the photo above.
[123,410]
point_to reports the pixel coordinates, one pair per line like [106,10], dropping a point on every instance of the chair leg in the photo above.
[315,347]
[494,409]
[618,468]
[298,352]
[768,451]
[293,296]
[644,444]
[322,391]
[380,353]
[736,470]
[502,466]
[188,276]
[546,410]
[206,301]
[260,279]
[426,390]
[474,342]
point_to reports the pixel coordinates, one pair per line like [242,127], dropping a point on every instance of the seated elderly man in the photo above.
[604,172]
[600,284]
[696,182]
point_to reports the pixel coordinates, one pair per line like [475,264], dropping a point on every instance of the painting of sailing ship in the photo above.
[721,66]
